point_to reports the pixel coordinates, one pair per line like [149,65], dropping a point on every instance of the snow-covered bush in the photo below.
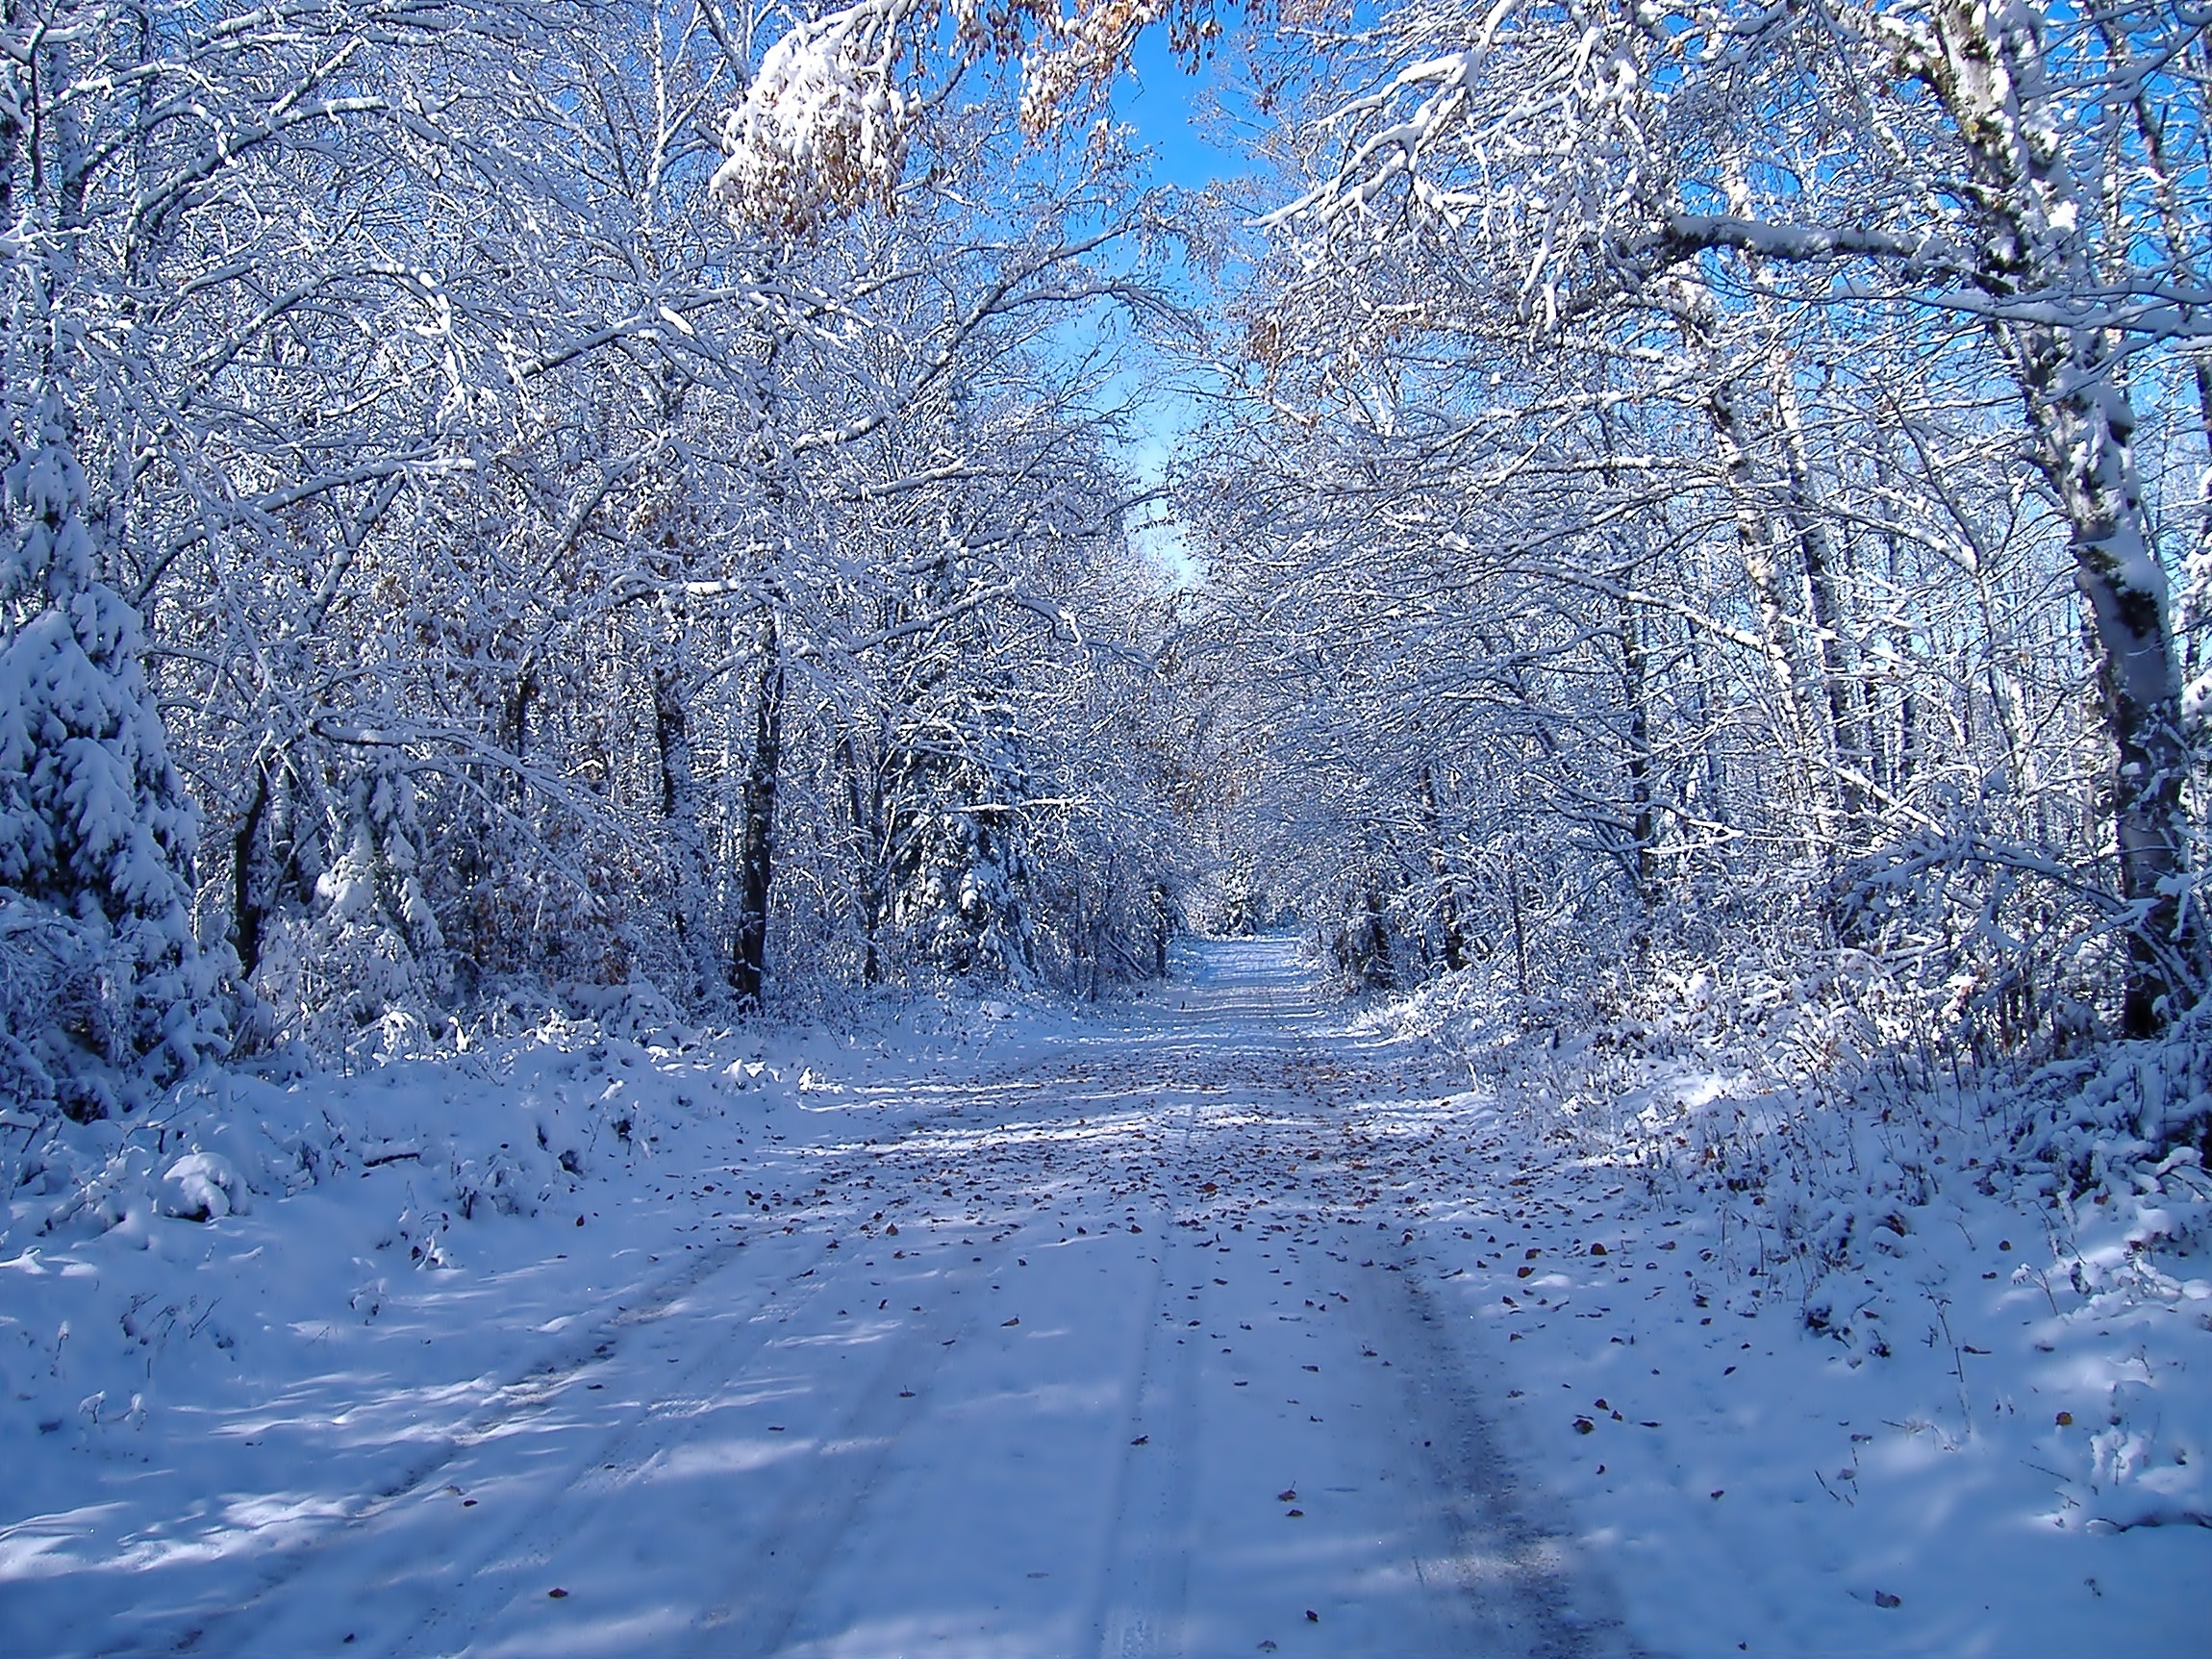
[361,969]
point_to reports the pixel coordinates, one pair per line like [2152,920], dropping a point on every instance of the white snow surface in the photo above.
[1207,1326]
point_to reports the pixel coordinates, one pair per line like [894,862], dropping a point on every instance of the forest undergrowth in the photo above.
[1854,1166]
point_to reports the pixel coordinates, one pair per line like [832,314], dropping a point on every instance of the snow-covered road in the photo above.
[1104,1355]
[1214,1325]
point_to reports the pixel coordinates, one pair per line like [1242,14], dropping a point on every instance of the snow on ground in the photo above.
[398,1264]
[1934,1476]
[1205,1327]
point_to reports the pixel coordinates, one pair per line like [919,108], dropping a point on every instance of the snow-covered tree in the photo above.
[97,833]
[2016,168]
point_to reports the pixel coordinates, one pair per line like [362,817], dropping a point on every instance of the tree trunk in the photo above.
[866,814]
[2086,427]
[1755,536]
[1520,930]
[249,906]
[1808,527]
[1375,969]
[1990,70]
[1448,921]
[756,852]
[1643,814]
[691,906]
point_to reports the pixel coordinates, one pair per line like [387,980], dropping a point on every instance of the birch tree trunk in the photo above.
[2085,427]
[1988,69]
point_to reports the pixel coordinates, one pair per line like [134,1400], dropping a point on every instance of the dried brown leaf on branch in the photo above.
[824,128]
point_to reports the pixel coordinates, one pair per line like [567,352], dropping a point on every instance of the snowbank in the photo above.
[1769,1291]
[226,1317]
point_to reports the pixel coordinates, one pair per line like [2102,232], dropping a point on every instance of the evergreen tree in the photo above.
[96,830]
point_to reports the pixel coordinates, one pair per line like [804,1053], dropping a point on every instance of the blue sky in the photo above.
[1159,100]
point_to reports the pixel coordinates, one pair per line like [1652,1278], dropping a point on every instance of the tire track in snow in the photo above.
[381,1542]
[1145,1578]
[532,1390]
[773,1579]
[384,1542]
[1518,1583]
[1521,1577]
[497,1572]
[1499,1581]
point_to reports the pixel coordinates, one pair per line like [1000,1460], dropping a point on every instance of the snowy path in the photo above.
[1104,1357]
[995,1333]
